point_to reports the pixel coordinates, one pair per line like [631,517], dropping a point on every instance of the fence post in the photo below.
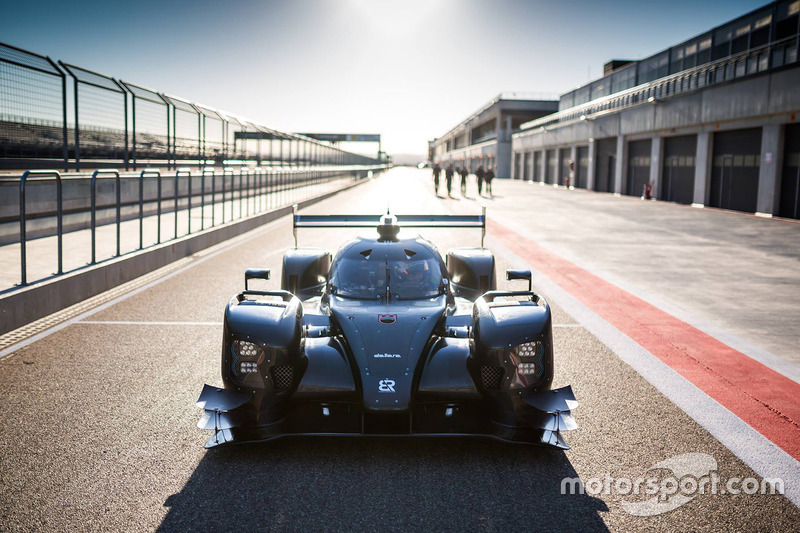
[226,171]
[77,130]
[125,111]
[148,173]
[188,173]
[22,214]
[93,214]
[242,174]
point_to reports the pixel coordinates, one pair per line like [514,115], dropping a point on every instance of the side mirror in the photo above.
[255,273]
[517,273]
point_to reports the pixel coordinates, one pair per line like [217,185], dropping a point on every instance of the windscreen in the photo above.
[366,276]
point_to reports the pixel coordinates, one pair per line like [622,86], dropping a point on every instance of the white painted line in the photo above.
[146,323]
[567,325]
[754,449]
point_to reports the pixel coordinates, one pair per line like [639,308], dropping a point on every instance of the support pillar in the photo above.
[591,169]
[621,166]
[573,156]
[543,166]
[769,173]
[702,168]
[656,166]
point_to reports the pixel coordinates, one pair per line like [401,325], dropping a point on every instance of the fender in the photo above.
[501,326]
[272,321]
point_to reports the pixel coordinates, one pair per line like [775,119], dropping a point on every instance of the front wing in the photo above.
[538,417]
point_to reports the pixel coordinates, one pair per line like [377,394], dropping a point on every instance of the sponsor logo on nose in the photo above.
[386,385]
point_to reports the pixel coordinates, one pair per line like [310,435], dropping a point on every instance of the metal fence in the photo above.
[97,121]
[151,207]
[33,107]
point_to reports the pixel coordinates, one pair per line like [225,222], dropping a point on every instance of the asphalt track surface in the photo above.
[98,427]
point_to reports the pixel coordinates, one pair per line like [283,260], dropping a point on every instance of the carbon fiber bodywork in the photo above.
[384,343]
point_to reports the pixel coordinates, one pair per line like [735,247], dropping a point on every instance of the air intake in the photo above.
[282,376]
[491,376]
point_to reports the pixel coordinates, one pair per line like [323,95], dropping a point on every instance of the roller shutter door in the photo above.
[790,179]
[638,166]
[677,181]
[734,175]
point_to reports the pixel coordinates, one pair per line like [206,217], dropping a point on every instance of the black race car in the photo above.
[387,338]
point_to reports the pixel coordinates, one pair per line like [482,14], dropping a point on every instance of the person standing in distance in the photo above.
[489,177]
[464,171]
[480,174]
[448,175]
[436,171]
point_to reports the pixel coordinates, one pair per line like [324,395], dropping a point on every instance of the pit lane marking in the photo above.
[147,323]
[755,449]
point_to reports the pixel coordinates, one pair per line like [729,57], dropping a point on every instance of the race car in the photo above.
[387,338]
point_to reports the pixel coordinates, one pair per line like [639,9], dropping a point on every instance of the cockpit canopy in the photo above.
[411,269]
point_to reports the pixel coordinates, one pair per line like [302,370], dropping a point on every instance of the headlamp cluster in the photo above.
[530,356]
[246,356]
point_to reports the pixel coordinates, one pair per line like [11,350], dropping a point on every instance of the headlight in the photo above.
[530,358]
[247,351]
[245,357]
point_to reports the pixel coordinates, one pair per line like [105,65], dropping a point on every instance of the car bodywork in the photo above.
[387,338]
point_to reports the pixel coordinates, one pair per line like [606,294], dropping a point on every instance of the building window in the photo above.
[722,43]
[787,17]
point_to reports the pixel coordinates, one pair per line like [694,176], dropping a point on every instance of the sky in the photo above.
[407,69]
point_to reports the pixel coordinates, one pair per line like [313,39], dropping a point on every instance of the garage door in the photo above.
[552,167]
[604,165]
[790,179]
[734,176]
[582,168]
[638,166]
[677,181]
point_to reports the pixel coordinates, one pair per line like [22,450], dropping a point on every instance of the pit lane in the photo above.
[98,428]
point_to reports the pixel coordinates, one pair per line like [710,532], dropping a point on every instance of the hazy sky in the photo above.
[408,69]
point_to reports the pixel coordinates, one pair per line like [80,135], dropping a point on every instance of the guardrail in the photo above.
[258,190]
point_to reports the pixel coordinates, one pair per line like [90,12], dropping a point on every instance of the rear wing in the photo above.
[404,221]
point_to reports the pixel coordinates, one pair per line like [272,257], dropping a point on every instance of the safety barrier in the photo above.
[238,193]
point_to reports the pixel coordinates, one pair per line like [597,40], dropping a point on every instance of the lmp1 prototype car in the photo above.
[387,338]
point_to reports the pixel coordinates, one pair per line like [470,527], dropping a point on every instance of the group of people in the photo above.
[483,177]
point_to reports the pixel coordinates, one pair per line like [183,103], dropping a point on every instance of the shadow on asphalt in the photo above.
[381,484]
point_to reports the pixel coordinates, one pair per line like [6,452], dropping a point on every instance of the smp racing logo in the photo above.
[386,385]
